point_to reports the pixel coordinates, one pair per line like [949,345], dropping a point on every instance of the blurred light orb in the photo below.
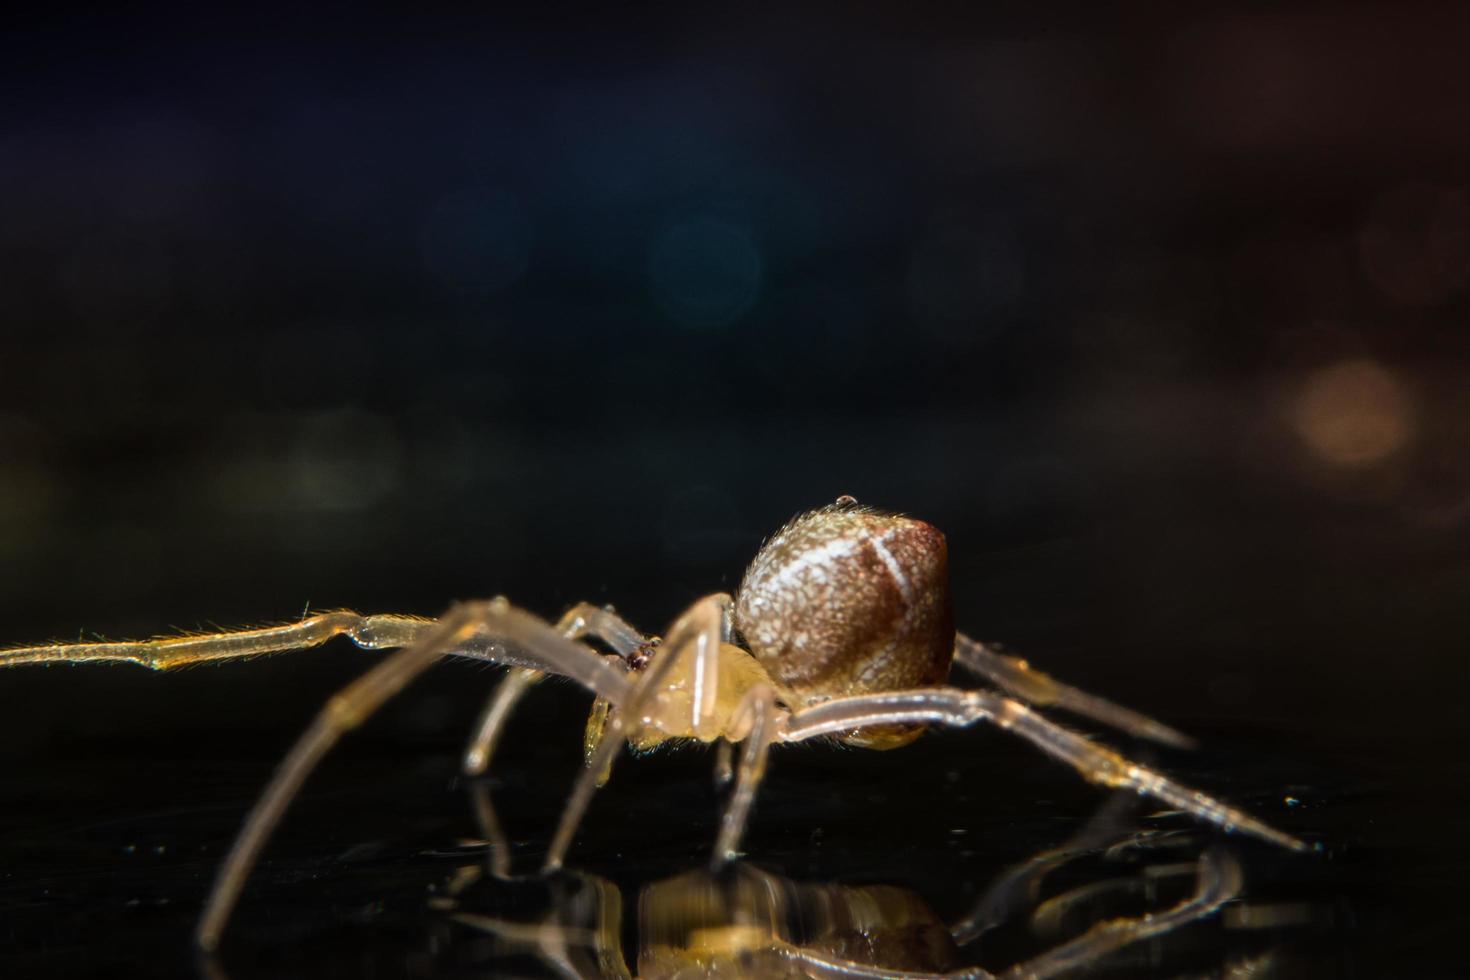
[1353,413]
[476,241]
[705,272]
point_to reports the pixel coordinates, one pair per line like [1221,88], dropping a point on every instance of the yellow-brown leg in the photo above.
[534,640]
[952,706]
[697,633]
[1019,679]
[378,632]
[583,619]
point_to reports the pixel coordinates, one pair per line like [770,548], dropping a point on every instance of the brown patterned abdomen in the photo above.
[847,600]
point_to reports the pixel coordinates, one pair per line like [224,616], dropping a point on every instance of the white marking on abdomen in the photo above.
[817,557]
[876,665]
[905,587]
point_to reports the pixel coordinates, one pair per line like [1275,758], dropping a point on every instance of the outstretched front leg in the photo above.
[951,706]
[535,641]
[380,632]
[1019,679]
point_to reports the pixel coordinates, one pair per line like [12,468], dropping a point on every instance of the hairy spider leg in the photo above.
[379,632]
[1019,679]
[696,633]
[534,639]
[583,619]
[959,708]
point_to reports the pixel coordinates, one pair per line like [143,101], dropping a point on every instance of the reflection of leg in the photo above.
[757,710]
[496,843]
[951,706]
[369,632]
[581,935]
[724,763]
[1219,881]
[1018,886]
[583,619]
[534,640]
[1018,678]
[820,965]
[1055,918]
[689,636]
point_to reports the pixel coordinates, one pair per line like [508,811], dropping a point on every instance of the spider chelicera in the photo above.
[841,627]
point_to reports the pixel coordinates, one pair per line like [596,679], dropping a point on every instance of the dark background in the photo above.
[1161,317]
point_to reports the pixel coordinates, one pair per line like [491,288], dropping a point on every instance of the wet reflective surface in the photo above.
[375,863]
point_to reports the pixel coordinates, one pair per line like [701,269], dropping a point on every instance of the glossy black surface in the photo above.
[1161,319]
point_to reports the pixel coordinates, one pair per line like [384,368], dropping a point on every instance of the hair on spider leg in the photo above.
[842,630]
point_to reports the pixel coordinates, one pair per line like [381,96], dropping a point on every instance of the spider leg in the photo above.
[583,619]
[706,683]
[952,706]
[697,633]
[535,640]
[369,632]
[1219,880]
[1019,679]
[507,694]
[758,711]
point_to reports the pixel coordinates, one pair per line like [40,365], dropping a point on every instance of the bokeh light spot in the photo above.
[475,241]
[1353,413]
[705,272]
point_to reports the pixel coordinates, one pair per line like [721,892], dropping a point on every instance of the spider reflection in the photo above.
[742,921]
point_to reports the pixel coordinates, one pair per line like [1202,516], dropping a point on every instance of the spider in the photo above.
[841,628]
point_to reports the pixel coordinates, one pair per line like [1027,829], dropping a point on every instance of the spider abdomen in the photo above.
[847,600]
